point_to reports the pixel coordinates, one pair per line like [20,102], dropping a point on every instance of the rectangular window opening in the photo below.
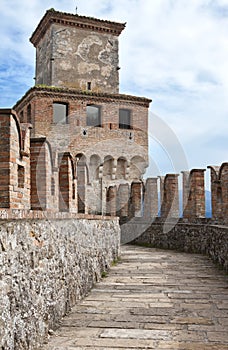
[89,85]
[125,119]
[93,115]
[60,113]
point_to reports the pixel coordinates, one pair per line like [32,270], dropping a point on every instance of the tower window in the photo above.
[52,186]
[93,115]
[60,113]
[89,85]
[20,176]
[124,119]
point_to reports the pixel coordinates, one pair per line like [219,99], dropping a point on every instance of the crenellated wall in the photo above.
[143,198]
[35,176]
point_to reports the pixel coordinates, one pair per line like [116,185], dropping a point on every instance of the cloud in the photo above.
[174,52]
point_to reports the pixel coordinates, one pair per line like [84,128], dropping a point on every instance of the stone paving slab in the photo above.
[153,299]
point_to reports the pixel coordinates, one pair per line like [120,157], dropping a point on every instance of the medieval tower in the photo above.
[75,107]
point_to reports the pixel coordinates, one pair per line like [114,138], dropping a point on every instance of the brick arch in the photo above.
[66,181]
[219,191]
[17,121]
[108,166]
[94,164]
[223,170]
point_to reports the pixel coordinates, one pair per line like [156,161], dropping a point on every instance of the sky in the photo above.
[172,51]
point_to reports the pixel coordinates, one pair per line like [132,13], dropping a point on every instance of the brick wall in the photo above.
[195,198]
[14,164]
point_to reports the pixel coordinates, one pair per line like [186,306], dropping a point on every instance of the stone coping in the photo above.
[55,91]
[6,214]
[74,20]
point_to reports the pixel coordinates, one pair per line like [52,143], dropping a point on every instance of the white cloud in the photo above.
[175,52]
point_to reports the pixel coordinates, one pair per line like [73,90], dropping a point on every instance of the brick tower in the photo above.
[76,106]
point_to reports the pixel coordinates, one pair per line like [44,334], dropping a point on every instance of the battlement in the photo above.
[37,177]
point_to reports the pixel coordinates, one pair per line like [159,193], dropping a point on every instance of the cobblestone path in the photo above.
[153,299]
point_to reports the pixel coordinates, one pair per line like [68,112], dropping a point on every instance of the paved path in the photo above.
[153,299]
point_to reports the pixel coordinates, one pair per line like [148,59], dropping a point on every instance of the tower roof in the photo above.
[67,19]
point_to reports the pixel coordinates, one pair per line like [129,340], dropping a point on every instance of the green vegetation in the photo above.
[116,261]
[104,274]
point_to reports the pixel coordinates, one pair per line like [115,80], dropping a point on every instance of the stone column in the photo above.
[151,198]
[170,204]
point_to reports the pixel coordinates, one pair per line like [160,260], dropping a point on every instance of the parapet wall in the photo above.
[143,199]
[46,266]
[201,237]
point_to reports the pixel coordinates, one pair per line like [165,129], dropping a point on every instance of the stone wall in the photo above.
[46,266]
[202,237]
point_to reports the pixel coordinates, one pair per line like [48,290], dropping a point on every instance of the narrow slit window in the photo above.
[29,114]
[60,113]
[21,176]
[93,117]
[89,85]
[73,191]
[124,119]
[52,186]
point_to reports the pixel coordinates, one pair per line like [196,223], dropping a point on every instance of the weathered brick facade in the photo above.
[219,191]
[14,161]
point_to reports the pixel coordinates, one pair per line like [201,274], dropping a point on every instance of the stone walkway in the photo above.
[153,299]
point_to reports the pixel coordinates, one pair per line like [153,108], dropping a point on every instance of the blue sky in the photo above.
[175,52]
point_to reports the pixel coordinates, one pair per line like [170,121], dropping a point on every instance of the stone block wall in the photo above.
[46,266]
